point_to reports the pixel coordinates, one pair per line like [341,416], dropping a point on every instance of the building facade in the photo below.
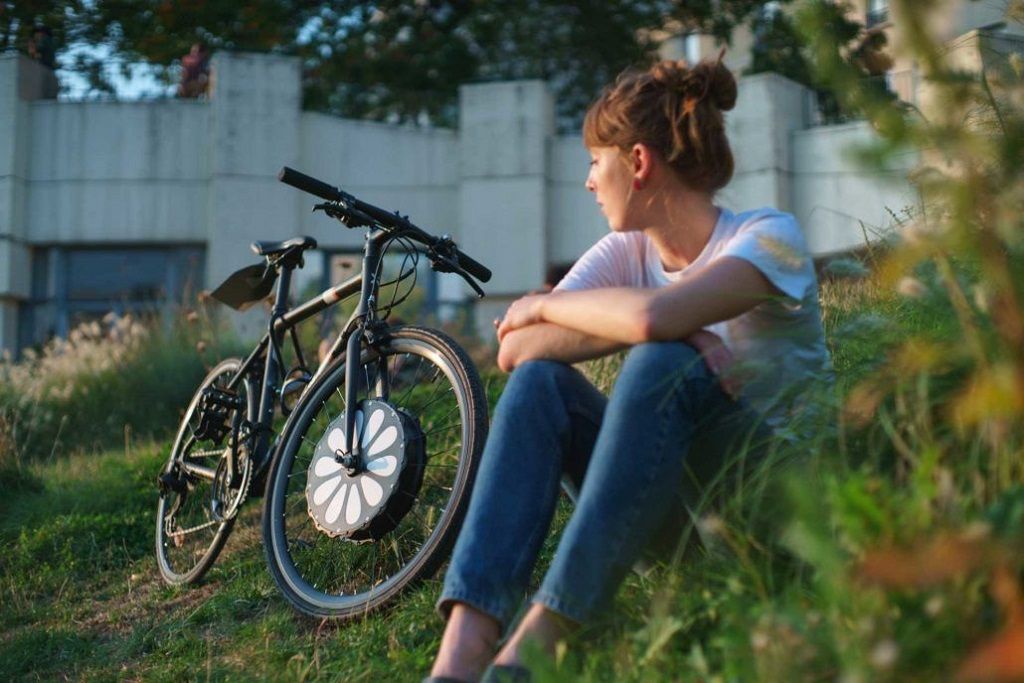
[125,205]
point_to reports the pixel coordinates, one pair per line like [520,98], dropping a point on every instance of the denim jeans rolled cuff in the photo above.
[562,606]
[494,608]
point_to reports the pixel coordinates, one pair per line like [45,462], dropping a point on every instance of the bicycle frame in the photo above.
[283,321]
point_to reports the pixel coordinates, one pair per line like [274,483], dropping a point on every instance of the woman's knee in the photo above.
[664,359]
[538,374]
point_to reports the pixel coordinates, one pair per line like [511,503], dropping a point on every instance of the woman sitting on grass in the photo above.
[695,292]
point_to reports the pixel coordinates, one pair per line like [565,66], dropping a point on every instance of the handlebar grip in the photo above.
[474,268]
[309,184]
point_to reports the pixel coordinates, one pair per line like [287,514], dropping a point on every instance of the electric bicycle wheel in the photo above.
[341,543]
[197,503]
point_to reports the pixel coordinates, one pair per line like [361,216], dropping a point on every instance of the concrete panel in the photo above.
[10,104]
[570,161]
[505,128]
[246,209]
[768,109]
[17,77]
[574,221]
[751,190]
[348,152]
[117,211]
[503,228]
[15,261]
[256,102]
[8,325]
[119,140]
[413,171]
[837,203]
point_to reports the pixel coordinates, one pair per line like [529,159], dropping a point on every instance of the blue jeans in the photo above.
[641,458]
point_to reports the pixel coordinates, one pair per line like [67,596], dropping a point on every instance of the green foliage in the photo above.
[107,381]
[388,60]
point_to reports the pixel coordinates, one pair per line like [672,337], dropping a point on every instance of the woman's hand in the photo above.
[522,313]
[719,360]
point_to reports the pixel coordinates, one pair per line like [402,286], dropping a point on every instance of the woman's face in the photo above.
[610,179]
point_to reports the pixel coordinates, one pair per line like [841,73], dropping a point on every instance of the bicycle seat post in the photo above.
[270,371]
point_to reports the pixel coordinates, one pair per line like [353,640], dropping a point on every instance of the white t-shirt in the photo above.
[779,344]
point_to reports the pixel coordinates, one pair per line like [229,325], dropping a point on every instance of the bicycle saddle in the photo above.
[274,248]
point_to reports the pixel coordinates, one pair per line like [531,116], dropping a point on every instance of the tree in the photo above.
[394,60]
[780,47]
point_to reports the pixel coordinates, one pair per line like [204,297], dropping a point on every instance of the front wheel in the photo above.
[341,541]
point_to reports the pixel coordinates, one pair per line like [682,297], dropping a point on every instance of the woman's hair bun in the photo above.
[720,84]
[709,79]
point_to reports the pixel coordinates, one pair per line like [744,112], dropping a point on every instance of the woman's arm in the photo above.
[723,290]
[551,342]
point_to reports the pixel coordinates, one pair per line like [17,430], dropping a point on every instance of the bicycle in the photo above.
[367,483]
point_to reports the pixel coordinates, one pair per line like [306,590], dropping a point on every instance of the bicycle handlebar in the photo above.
[321,189]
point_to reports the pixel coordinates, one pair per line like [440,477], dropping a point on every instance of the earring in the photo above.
[636,184]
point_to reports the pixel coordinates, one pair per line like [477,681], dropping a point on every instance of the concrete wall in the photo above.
[838,204]
[118,171]
[504,185]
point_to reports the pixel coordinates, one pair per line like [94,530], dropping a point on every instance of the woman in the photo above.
[703,297]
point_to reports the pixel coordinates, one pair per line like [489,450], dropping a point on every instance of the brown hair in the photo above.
[677,111]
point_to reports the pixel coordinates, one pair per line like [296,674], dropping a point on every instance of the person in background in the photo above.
[195,72]
[41,48]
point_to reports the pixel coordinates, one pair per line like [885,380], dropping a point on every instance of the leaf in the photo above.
[662,631]
[997,660]
[993,393]
[941,559]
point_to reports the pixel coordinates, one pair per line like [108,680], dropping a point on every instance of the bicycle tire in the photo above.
[181,559]
[326,576]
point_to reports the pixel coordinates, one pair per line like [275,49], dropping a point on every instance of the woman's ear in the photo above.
[641,159]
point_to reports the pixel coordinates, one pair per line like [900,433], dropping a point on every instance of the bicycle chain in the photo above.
[190,530]
[243,495]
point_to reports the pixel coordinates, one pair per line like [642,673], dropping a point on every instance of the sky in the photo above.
[141,84]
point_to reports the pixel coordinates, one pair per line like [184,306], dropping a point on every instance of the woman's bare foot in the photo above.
[467,645]
[541,628]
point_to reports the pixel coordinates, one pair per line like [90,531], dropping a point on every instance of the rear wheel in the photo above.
[197,504]
[341,543]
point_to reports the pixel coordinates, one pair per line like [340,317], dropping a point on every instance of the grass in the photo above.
[81,596]
[776,592]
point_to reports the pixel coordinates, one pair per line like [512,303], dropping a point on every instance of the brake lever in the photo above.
[351,218]
[472,283]
[443,264]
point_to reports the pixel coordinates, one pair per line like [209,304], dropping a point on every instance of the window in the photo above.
[691,48]
[878,12]
[71,285]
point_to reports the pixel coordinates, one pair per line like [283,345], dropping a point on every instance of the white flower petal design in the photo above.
[386,438]
[324,490]
[383,466]
[372,425]
[354,507]
[372,490]
[326,466]
[334,509]
[336,440]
